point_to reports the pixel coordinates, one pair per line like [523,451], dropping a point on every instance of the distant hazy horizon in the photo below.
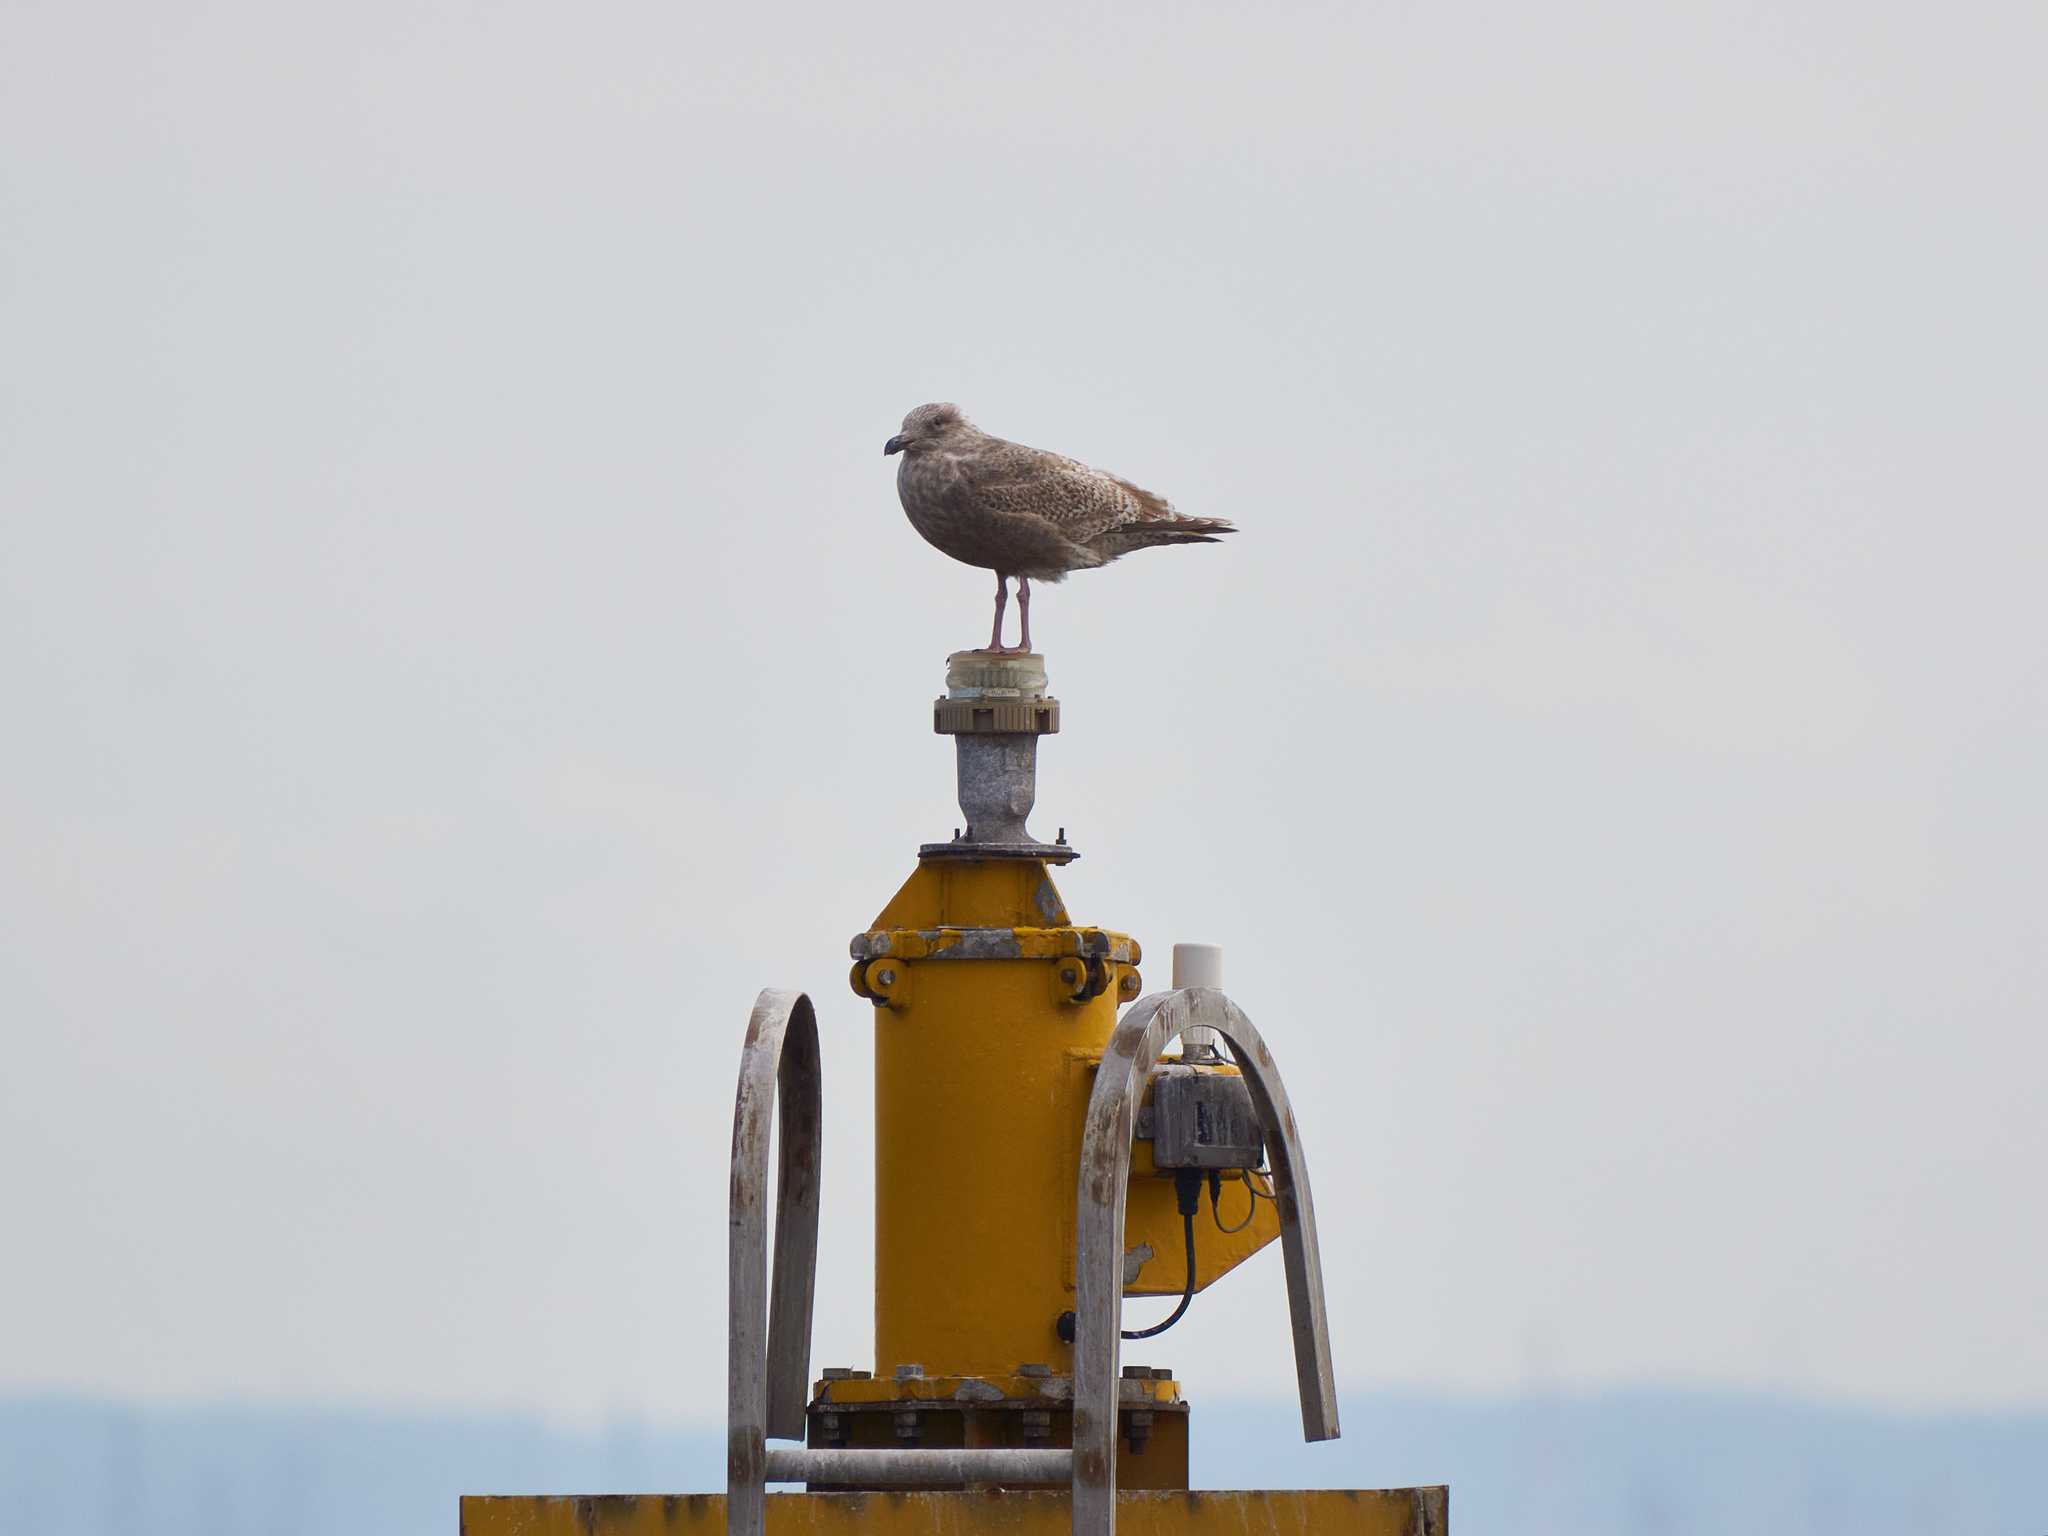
[1628,1463]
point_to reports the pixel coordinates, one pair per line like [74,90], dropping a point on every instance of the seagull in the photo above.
[1024,512]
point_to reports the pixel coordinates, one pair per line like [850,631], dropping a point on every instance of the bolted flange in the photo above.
[995,708]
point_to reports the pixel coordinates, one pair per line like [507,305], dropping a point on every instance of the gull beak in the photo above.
[894,445]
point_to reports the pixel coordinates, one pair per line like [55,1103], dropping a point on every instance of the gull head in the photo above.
[925,427]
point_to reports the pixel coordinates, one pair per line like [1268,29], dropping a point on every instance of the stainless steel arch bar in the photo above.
[1133,1048]
[768,1378]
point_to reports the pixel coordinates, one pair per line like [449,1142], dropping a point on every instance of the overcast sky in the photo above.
[458,640]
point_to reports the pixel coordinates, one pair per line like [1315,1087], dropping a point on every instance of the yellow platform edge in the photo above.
[1244,1512]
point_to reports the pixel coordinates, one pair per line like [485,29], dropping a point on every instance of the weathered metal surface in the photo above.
[1135,1259]
[1017,1411]
[792,1291]
[943,1468]
[957,851]
[996,944]
[1277,1512]
[1204,1120]
[768,1336]
[997,779]
[1132,1050]
[1022,1390]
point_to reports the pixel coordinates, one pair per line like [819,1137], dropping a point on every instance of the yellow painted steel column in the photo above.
[981,1069]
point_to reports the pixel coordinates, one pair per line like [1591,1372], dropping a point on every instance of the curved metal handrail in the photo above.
[1133,1048]
[768,1380]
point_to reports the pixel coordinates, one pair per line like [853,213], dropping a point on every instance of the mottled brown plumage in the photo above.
[1024,512]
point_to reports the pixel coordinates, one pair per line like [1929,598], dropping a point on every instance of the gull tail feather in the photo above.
[1170,530]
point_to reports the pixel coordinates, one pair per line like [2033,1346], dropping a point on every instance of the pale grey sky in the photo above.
[459,640]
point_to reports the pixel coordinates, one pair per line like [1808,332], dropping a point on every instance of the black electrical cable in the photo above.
[1186,1296]
[1187,1187]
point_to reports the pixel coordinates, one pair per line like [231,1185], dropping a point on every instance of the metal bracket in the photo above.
[1099,1225]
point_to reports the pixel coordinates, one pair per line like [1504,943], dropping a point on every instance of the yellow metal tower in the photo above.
[1036,1161]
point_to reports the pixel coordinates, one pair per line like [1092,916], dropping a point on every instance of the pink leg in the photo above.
[995,636]
[1024,612]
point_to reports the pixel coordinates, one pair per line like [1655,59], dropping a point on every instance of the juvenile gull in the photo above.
[1024,512]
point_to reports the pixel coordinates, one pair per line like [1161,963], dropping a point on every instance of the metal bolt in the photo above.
[1137,1373]
[909,1372]
[1138,1428]
[837,1373]
[886,977]
[1130,982]
[1034,1370]
[906,1423]
[1036,1423]
[832,1428]
[860,1376]
[1162,1373]
[1062,839]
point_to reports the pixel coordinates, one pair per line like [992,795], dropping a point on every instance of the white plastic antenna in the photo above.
[1199,965]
